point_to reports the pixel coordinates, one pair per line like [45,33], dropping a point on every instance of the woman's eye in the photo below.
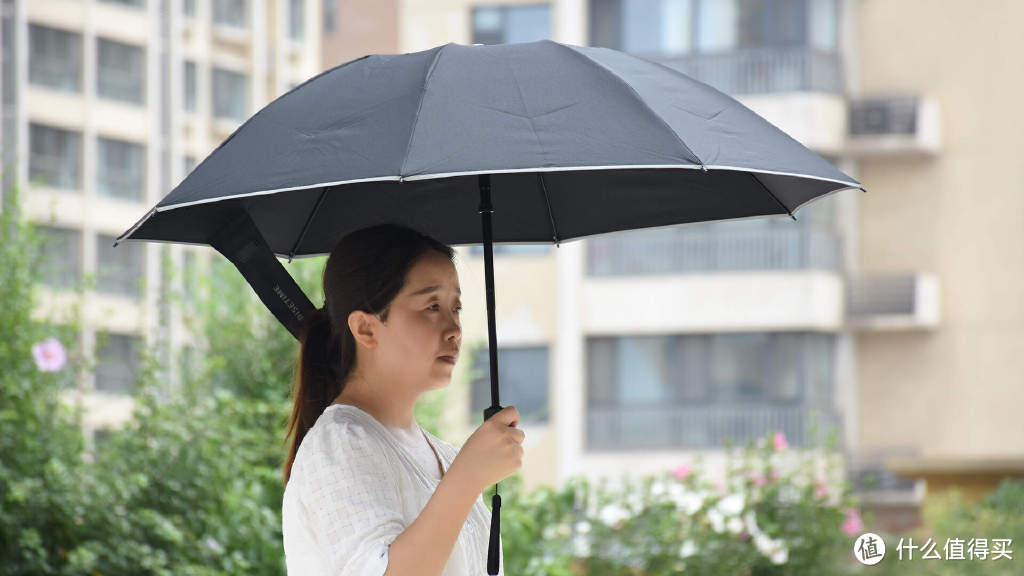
[438,307]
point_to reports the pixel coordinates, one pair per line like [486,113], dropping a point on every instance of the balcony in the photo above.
[702,249]
[762,70]
[704,426]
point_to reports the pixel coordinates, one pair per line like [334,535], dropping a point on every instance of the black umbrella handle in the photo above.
[493,551]
[493,547]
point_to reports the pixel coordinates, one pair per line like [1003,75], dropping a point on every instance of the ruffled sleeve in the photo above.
[351,495]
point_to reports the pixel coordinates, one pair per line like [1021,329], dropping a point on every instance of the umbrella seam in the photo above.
[309,220]
[639,98]
[551,216]
[529,118]
[419,106]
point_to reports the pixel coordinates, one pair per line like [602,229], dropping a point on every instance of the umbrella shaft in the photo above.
[492,336]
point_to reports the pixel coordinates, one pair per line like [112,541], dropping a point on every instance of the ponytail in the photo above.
[318,379]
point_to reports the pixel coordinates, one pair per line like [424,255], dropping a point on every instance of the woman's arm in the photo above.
[424,547]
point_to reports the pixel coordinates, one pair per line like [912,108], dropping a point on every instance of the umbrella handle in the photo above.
[493,553]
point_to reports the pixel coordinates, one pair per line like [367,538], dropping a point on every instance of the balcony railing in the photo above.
[682,250]
[705,426]
[760,71]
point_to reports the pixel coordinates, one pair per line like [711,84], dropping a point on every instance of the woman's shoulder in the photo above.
[339,435]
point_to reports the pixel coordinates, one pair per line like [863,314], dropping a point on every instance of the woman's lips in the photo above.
[448,359]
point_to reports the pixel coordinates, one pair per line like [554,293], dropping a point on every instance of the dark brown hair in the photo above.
[365,271]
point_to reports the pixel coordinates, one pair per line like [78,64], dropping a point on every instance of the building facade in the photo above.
[108,104]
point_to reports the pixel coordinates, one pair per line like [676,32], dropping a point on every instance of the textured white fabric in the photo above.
[415,440]
[354,487]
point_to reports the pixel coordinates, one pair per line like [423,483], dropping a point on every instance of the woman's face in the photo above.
[423,324]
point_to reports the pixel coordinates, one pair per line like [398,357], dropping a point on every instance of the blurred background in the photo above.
[892,320]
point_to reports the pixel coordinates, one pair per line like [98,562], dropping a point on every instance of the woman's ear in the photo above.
[363,327]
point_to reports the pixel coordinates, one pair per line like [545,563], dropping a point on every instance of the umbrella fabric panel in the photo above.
[351,122]
[719,130]
[510,107]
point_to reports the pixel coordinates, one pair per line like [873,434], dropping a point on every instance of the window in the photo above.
[716,26]
[511,24]
[772,23]
[673,27]
[656,26]
[188,7]
[120,72]
[230,95]
[55,157]
[703,389]
[117,362]
[824,24]
[55,58]
[233,13]
[119,270]
[523,376]
[296,19]
[60,258]
[330,14]
[496,249]
[189,97]
[119,169]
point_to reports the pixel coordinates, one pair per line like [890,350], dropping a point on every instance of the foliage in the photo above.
[1000,514]
[191,485]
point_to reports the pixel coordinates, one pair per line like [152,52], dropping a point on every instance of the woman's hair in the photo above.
[365,271]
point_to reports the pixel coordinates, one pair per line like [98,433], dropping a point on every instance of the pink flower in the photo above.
[744,536]
[682,472]
[820,489]
[779,441]
[758,479]
[773,475]
[720,488]
[49,355]
[852,525]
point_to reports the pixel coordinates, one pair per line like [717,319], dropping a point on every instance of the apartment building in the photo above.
[107,105]
[640,350]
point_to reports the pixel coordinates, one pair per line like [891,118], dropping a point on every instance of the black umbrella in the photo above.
[535,142]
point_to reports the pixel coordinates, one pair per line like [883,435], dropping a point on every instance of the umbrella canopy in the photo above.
[578,140]
[535,142]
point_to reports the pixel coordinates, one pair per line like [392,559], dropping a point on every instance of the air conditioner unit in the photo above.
[893,126]
[903,301]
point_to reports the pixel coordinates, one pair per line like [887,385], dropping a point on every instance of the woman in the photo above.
[367,491]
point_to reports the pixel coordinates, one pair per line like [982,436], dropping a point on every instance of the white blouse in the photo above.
[355,485]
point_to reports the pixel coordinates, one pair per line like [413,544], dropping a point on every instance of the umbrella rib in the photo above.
[774,197]
[551,216]
[305,226]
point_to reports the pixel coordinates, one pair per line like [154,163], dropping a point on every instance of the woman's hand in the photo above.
[493,452]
